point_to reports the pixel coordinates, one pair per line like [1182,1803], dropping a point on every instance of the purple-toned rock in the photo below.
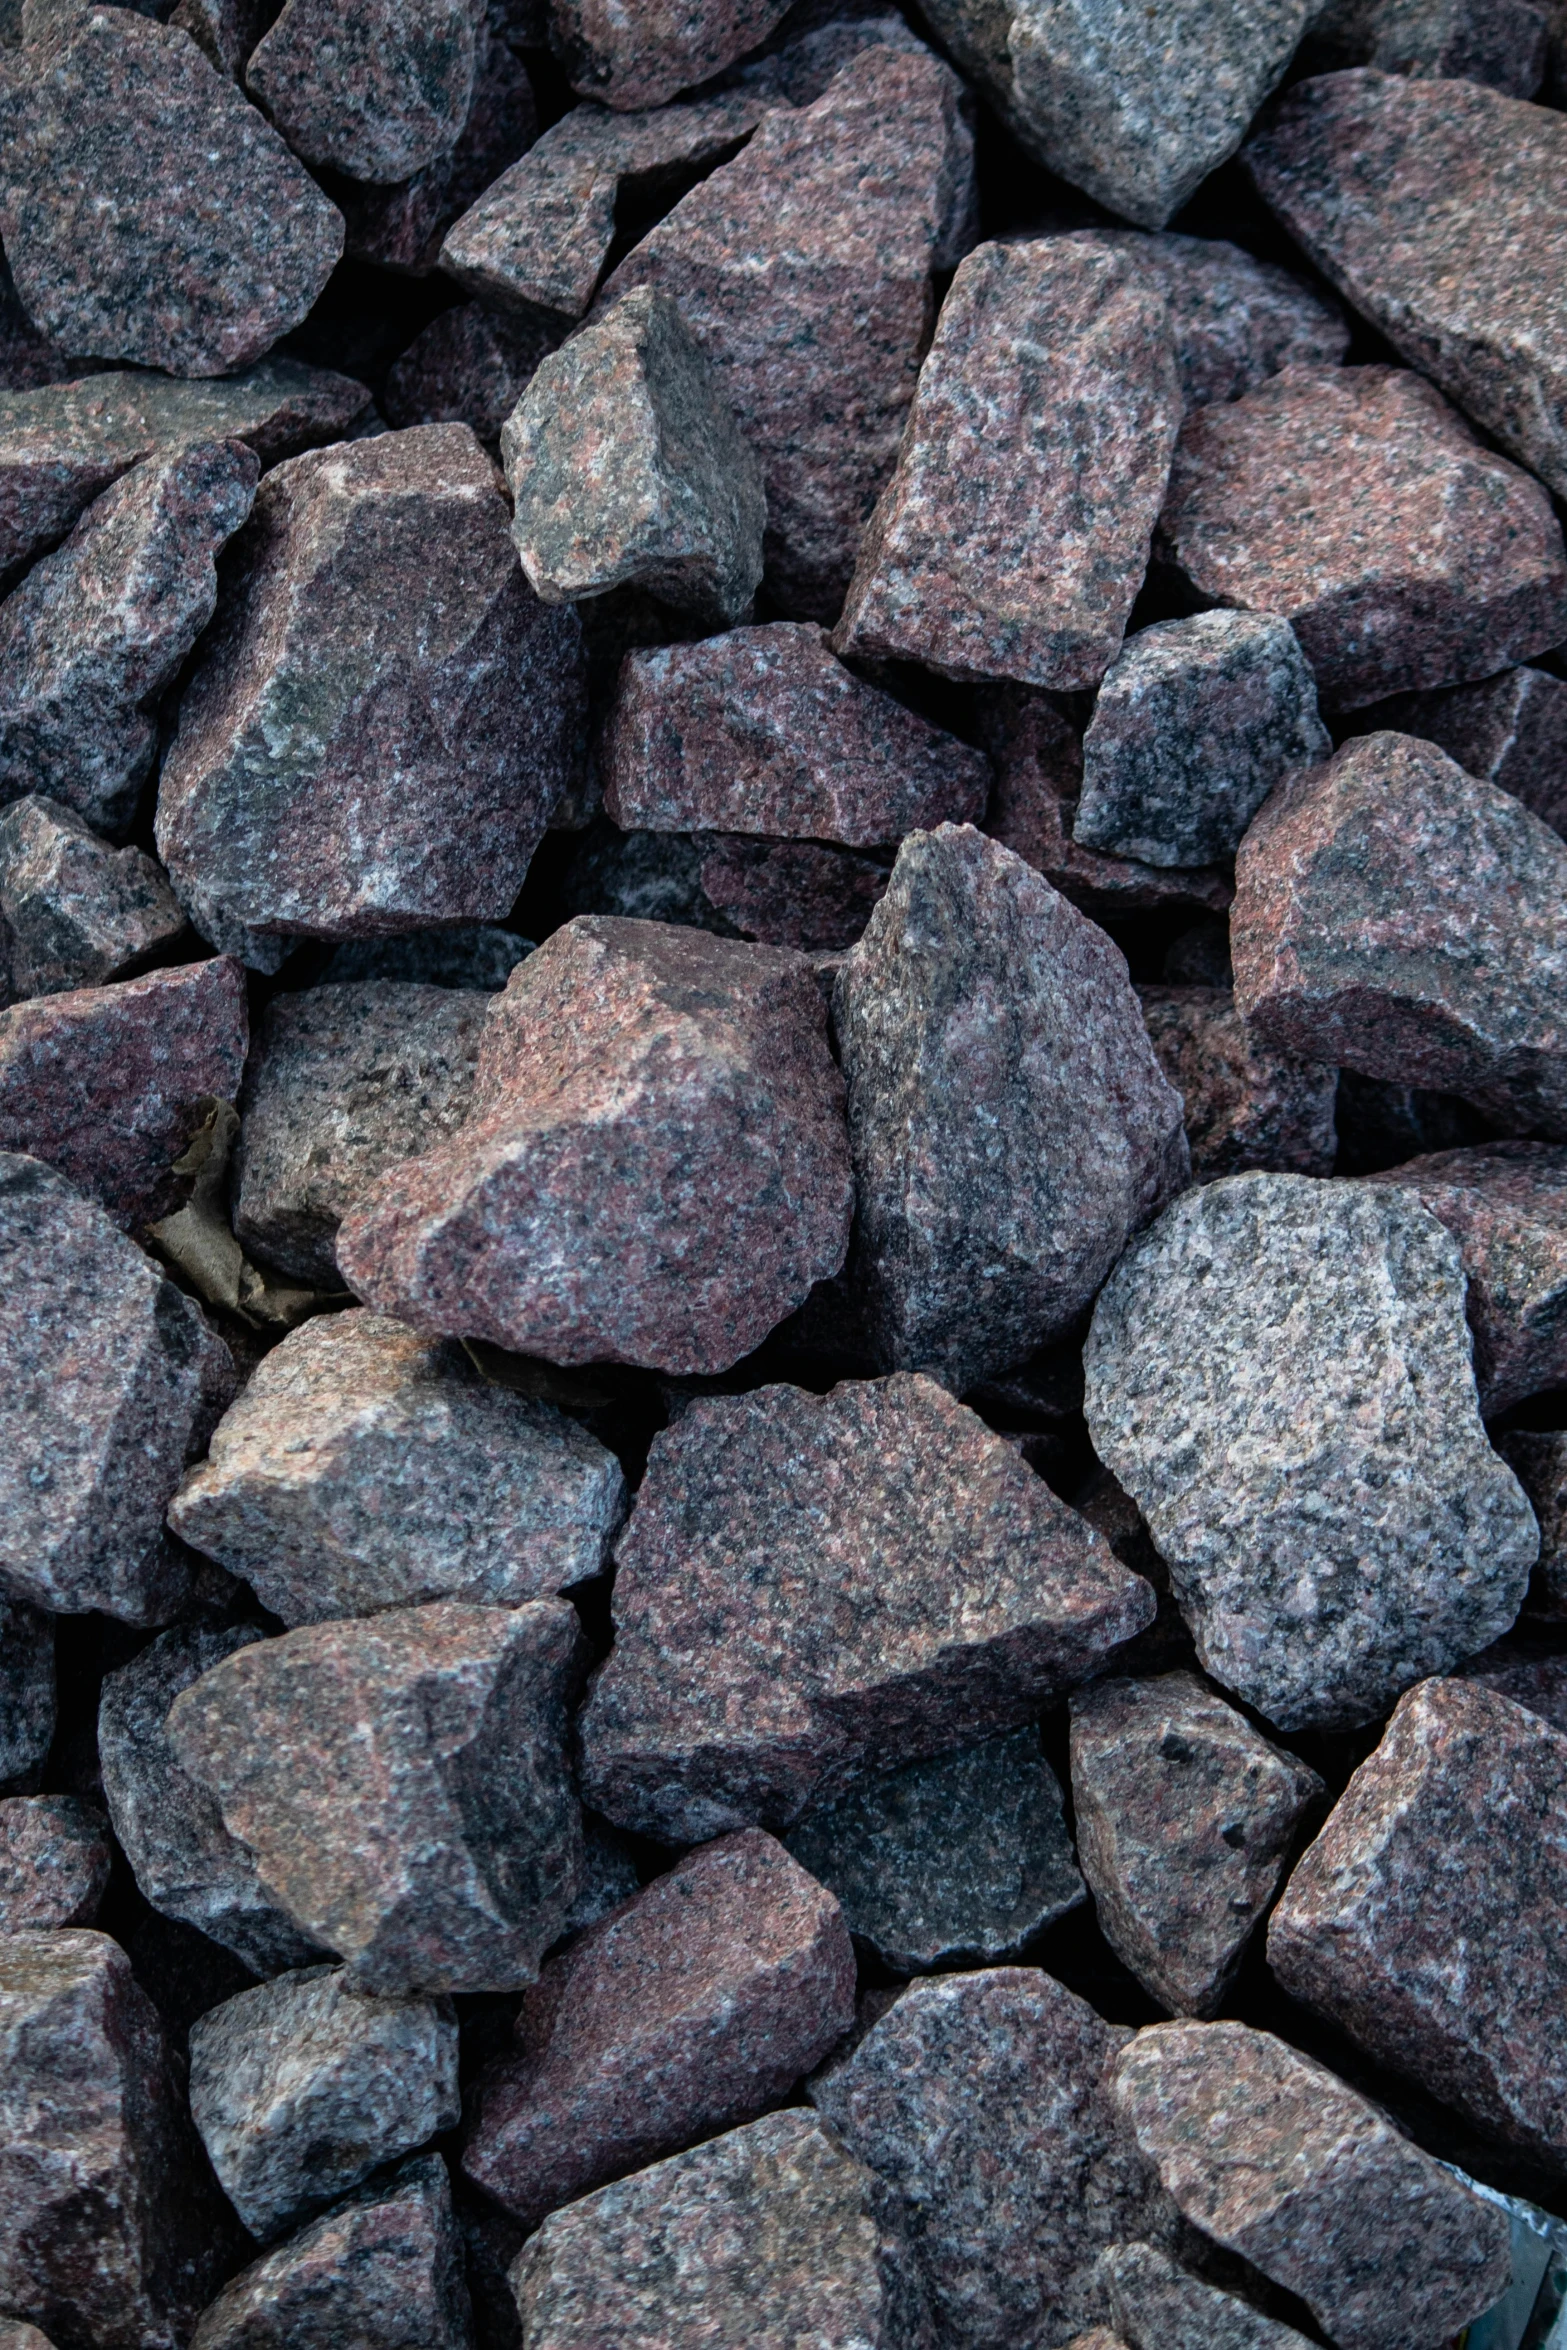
[631,60]
[1539,1462]
[1530,1676]
[106,263]
[1397,916]
[1158,2306]
[1013,537]
[1186,1819]
[815,1588]
[656,1171]
[815,42]
[1510,730]
[469,366]
[690,2009]
[73,911]
[27,1691]
[54,1862]
[1266,2151]
[402,1782]
[225,31]
[804,270]
[476,956]
[27,358]
[1354,503]
[403,226]
[376,588]
[1009,1122]
[788,893]
[1501,43]
[765,731]
[375,89]
[1247,1105]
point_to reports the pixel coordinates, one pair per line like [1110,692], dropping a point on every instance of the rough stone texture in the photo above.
[1396,916]
[111,2237]
[1009,1123]
[73,912]
[304,2086]
[403,226]
[364,1468]
[631,60]
[693,2007]
[402,1783]
[1499,42]
[794,893]
[375,89]
[1014,535]
[1530,1676]
[1540,1464]
[627,469]
[17,2334]
[469,366]
[815,42]
[1197,721]
[1279,1375]
[54,1862]
[656,1171]
[765,731]
[105,262]
[1247,1105]
[1434,206]
[225,31]
[104,1082]
[478,955]
[1158,2305]
[983,2101]
[1510,730]
[27,1690]
[812,1587]
[109,1380]
[377,588]
[99,630]
[960,1861]
[804,270]
[1354,503]
[764,2238]
[1186,1819]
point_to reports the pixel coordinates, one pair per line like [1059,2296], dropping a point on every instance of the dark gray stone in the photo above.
[470,365]
[1540,1463]
[669,45]
[1246,1103]
[464,954]
[27,1690]
[1501,43]
[74,912]
[1159,2306]
[1510,730]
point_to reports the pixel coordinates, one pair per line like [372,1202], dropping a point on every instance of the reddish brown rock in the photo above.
[656,1171]
[403,226]
[1354,503]
[1539,1460]
[1501,43]
[375,89]
[1007,543]
[789,893]
[74,912]
[668,45]
[1246,1104]
[54,1862]
[1510,730]
[469,366]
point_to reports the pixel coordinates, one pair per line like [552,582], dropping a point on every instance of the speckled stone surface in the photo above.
[27,1690]
[675,1088]
[124,111]
[1539,1461]
[788,893]
[1501,43]
[804,270]
[766,2236]
[1009,1122]
[668,45]
[1279,1374]
[1158,2305]
[469,366]
[376,585]
[813,1588]
[961,1860]
[1531,1676]
[375,89]
[1186,1819]
[73,911]
[364,1468]
[402,1782]
[1356,504]
[1435,207]
[1247,1104]
[1014,535]
[474,955]
[690,2009]
[302,2087]
[1396,916]
[403,226]
[225,31]
[54,1862]
[1510,730]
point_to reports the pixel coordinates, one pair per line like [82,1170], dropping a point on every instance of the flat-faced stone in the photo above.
[376,587]
[402,1782]
[881,1577]
[54,1862]
[765,731]
[1247,1104]
[1539,1461]
[691,2008]
[403,226]
[1014,535]
[1396,916]
[375,89]
[105,262]
[99,630]
[469,366]
[1186,1819]
[1499,42]
[959,1861]
[804,270]
[1510,730]
[787,893]
[1434,206]
[668,45]
[1009,1122]
[656,1171]
[478,955]
[763,2238]
[27,1690]
[815,42]
[1279,1373]
[1158,2305]
[73,911]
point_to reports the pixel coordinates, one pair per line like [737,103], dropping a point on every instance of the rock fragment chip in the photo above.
[74,912]
[27,1690]
[375,89]
[1247,1104]
[1510,730]
[1157,2304]
[669,45]
[54,1862]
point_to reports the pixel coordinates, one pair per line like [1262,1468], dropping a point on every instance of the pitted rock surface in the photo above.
[1510,730]
[668,45]
[1247,1104]
[1501,43]
[1157,2305]
[375,89]
[469,366]
[54,1862]
[1540,1463]
[404,226]
[27,1690]
[74,912]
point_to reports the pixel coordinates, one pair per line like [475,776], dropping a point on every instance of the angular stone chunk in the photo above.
[375,89]
[104,1082]
[1246,1104]
[764,731]
[627,469]
[54,1862]
[689,2009]
[1185,1823]
[74,912]
[403,226]
[1158,2305]
[469,366]
[1014,535]
[1354,503]
[960,1860]
[1279,1374]
[402,1782]
[657,1169]
[377,589]
[804,270]
[1510,730]
[106,263]
[1009,1123]
[667,45]
[1435,207]
[795,893]
[764,2238]
[1540,1464]
[1396,916]
[812,1587]
[27,1688]
[99,630]
[1499,42]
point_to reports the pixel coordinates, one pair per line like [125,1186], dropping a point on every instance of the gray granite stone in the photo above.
[54,1862]
[1246,1103]
[27,1690]
[73,911]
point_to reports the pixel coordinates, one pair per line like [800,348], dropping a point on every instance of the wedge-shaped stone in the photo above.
[74,912]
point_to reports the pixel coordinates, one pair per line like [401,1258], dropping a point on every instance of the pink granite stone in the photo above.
[1510,730]
[376,89]
[54,1862]
[640,57]
[1246,1103]
[403,226]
